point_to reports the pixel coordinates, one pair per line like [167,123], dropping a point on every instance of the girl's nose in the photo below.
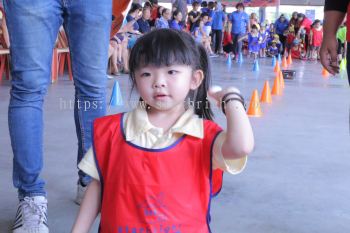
[158,85]
[159,82]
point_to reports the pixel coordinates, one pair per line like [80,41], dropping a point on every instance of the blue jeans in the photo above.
[33,26]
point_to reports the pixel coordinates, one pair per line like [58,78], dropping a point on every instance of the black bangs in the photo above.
[164,47]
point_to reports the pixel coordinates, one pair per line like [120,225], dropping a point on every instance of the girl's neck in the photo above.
[165,119]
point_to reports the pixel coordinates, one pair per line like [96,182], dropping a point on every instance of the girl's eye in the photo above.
[172,72]
[145,75]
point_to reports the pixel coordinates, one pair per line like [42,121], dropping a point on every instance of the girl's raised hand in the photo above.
[216,93]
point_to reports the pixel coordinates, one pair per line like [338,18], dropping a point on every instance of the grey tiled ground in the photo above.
[296,180]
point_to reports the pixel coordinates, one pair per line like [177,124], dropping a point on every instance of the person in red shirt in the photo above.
[154,12]
[304,25]
[316,37]
[227,42]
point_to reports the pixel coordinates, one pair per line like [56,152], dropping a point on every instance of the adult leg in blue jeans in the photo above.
[33,27]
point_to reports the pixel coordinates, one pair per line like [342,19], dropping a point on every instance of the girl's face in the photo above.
[166,88]
[178,17]
[167,15]
[255,31]
[205,19]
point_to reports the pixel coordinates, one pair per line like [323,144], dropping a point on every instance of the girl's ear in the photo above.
[197,78]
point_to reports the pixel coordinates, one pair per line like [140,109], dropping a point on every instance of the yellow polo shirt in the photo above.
[141,132]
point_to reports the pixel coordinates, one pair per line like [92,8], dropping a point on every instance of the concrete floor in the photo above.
[296,180]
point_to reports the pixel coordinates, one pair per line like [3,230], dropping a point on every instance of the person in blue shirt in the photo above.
[204,7]
[211,6]
[176,22]
[240,25]
[281,25]
[134,14]
[217,26]
[143,22]
[163,22]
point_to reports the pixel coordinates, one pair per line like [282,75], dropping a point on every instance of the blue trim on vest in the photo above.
[210,180]
[98,167]
[147,149]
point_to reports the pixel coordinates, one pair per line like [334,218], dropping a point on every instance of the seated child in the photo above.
[273,50]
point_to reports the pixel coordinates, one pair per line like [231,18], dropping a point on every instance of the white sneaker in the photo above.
[31,216]
[80,193]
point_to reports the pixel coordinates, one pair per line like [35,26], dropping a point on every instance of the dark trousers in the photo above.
[217,34]
[283,42]
[237,45]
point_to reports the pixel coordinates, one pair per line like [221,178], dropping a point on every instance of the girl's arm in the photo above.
[311,37]
[89,208]
[243,37]
[239,141]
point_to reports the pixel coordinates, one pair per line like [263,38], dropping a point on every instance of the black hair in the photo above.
[159,14]
[154,2]
[301,15]
[195,3]
[204,14]
[164,10]
[238,5]
[147,4]
[134,7]
[254,27]
[164,47]
[204,4]
[211,5]
[317,21]
[175,13]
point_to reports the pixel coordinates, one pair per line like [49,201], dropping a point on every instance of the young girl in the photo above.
[316,37]
[273,50]
[253,42]
[157,167]
[201,35]
[263,38]
[290,37]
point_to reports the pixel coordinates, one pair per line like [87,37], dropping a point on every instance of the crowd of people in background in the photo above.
[223,33]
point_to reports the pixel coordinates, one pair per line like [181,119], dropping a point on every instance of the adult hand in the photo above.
[329,56]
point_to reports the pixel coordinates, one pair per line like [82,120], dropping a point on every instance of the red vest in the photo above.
[317,37]
[165,190]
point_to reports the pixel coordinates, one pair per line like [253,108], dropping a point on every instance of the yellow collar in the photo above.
[137,123]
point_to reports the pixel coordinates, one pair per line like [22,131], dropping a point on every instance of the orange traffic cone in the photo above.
[289,61]
[266,94]
[254,107]
[284,62]
[277,68]
[281,79]
[325,73]
[276,89]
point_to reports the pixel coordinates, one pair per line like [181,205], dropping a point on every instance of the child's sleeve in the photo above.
[233,166]
[88,165]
